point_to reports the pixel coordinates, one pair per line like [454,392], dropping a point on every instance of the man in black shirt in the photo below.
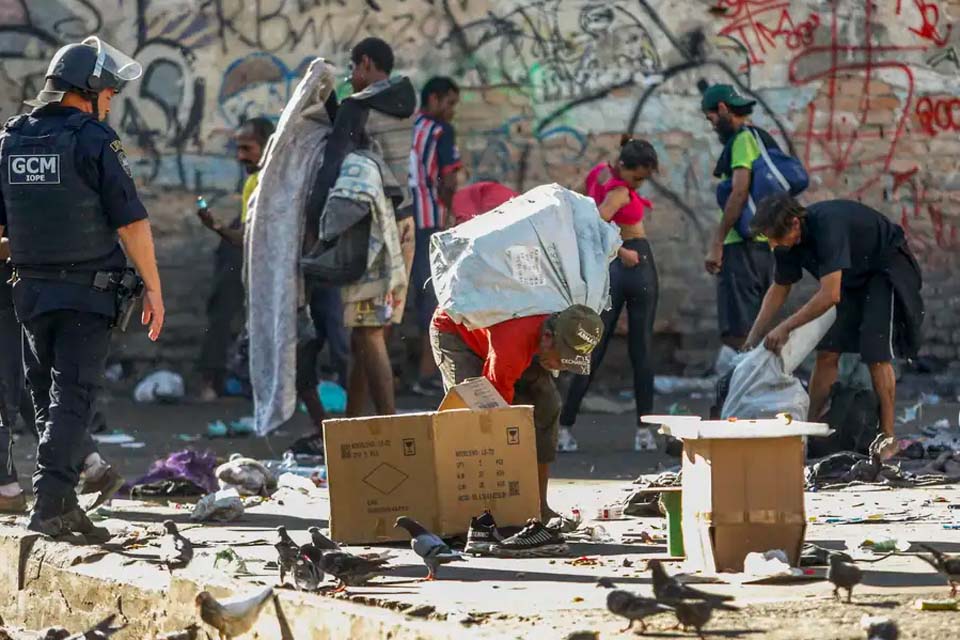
[865,269]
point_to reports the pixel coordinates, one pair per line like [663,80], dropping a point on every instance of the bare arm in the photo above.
[4,247]
[613,202]
[826,297]
[137,242]
[445,190]
[773,301]
[823,300]
[731,213]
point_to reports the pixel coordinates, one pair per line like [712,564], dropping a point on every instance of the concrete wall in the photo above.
[864,92]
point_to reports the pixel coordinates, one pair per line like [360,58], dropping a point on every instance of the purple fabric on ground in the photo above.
[182,465]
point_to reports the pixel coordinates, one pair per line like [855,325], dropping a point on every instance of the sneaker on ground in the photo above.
[533,541]
[644,440]
[311,445]
[430,387]
[482,534]
[566,443]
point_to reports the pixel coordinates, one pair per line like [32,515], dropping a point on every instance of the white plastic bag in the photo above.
[538,253]
[763,383]
[160,386]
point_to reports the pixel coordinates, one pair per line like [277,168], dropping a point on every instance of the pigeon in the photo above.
[176,552]
[287,552]
[844,575]
[947,565]
[307,574]
[351,570]
[190,633]
[693,613]
[634,608]
[428,546]
[233,617]
[248,476]
[321,541]
[668,590]
[879,628]
[101,631]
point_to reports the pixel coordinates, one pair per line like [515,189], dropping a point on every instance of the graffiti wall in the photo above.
[866,93]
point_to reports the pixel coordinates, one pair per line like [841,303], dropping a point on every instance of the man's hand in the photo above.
[206,219]
[153,313]
[714,258]
[777,338]
[629,258]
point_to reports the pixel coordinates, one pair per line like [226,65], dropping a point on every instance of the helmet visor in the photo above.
[113,61]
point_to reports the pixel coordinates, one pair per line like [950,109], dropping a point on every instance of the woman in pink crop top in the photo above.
[633,282]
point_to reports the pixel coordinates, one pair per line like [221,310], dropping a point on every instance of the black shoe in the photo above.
[46,517]
[311,445]
[533,541]
[482,534]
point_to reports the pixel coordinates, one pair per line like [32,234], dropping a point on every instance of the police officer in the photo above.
[68,202]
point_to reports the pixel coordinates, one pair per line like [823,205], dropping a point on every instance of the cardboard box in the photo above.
[742,488]
[441,468]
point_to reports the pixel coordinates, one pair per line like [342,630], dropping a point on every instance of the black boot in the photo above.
[47,517]
[75,520]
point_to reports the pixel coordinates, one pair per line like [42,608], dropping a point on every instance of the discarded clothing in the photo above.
[848,468]
[222,506]
[167,489]
[854,416]
[187,465]
[160,386]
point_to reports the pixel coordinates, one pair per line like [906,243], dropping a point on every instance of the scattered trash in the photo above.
[296,482]
[677,384]
[186,465]
[133,445]
[609,513]
[883,544]
[114,373]
[187,437]
[167,489]
[935,605]
[242,427]
[332,396]
[584,561]
[222,506]
[117,437]
[160,386]
[248,476]
[230,561]
[306,466]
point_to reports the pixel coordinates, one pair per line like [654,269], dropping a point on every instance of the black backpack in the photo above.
[854,415]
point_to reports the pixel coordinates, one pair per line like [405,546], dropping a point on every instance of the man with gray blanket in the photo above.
[375,119]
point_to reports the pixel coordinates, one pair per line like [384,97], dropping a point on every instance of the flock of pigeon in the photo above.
[310,562]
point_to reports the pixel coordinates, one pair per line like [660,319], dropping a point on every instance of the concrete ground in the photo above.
[488,597]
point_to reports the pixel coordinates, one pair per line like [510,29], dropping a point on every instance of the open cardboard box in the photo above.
[441,468]
[742,487]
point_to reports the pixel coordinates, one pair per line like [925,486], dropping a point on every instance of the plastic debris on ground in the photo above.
[770,564]
[332,396]
[229,561]
[306,466]
[116,437]
[221,506]
[248,476]
[883,544]
[160,386]
[678,384]
[296,482]
[923,604]
[237,428]
[187,467]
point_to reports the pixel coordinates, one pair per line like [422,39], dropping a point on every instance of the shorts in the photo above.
[535,387]
[864,321]
[745,276]
[424,297]
[387,309]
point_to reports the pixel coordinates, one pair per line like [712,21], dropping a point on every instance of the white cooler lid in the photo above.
[695,428]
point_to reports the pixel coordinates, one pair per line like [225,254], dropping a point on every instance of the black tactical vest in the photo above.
[53,216]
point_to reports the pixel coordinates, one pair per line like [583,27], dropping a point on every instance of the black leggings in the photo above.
[638,288]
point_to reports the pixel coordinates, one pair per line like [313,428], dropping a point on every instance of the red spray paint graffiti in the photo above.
[938,114]
[760,24]
[930,22]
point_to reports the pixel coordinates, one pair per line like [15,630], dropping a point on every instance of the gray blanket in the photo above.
[274,239]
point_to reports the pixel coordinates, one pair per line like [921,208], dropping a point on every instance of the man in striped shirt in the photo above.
[434,162]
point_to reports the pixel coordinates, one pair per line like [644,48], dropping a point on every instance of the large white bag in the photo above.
[763,383]
[537,253]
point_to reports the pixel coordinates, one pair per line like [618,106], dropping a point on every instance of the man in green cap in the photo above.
[744,266]
[517,356]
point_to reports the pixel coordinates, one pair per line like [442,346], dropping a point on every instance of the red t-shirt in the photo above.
[507,347]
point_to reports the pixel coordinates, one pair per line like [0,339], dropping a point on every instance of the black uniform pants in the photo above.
[11,377]
[65,355]
[638,289]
